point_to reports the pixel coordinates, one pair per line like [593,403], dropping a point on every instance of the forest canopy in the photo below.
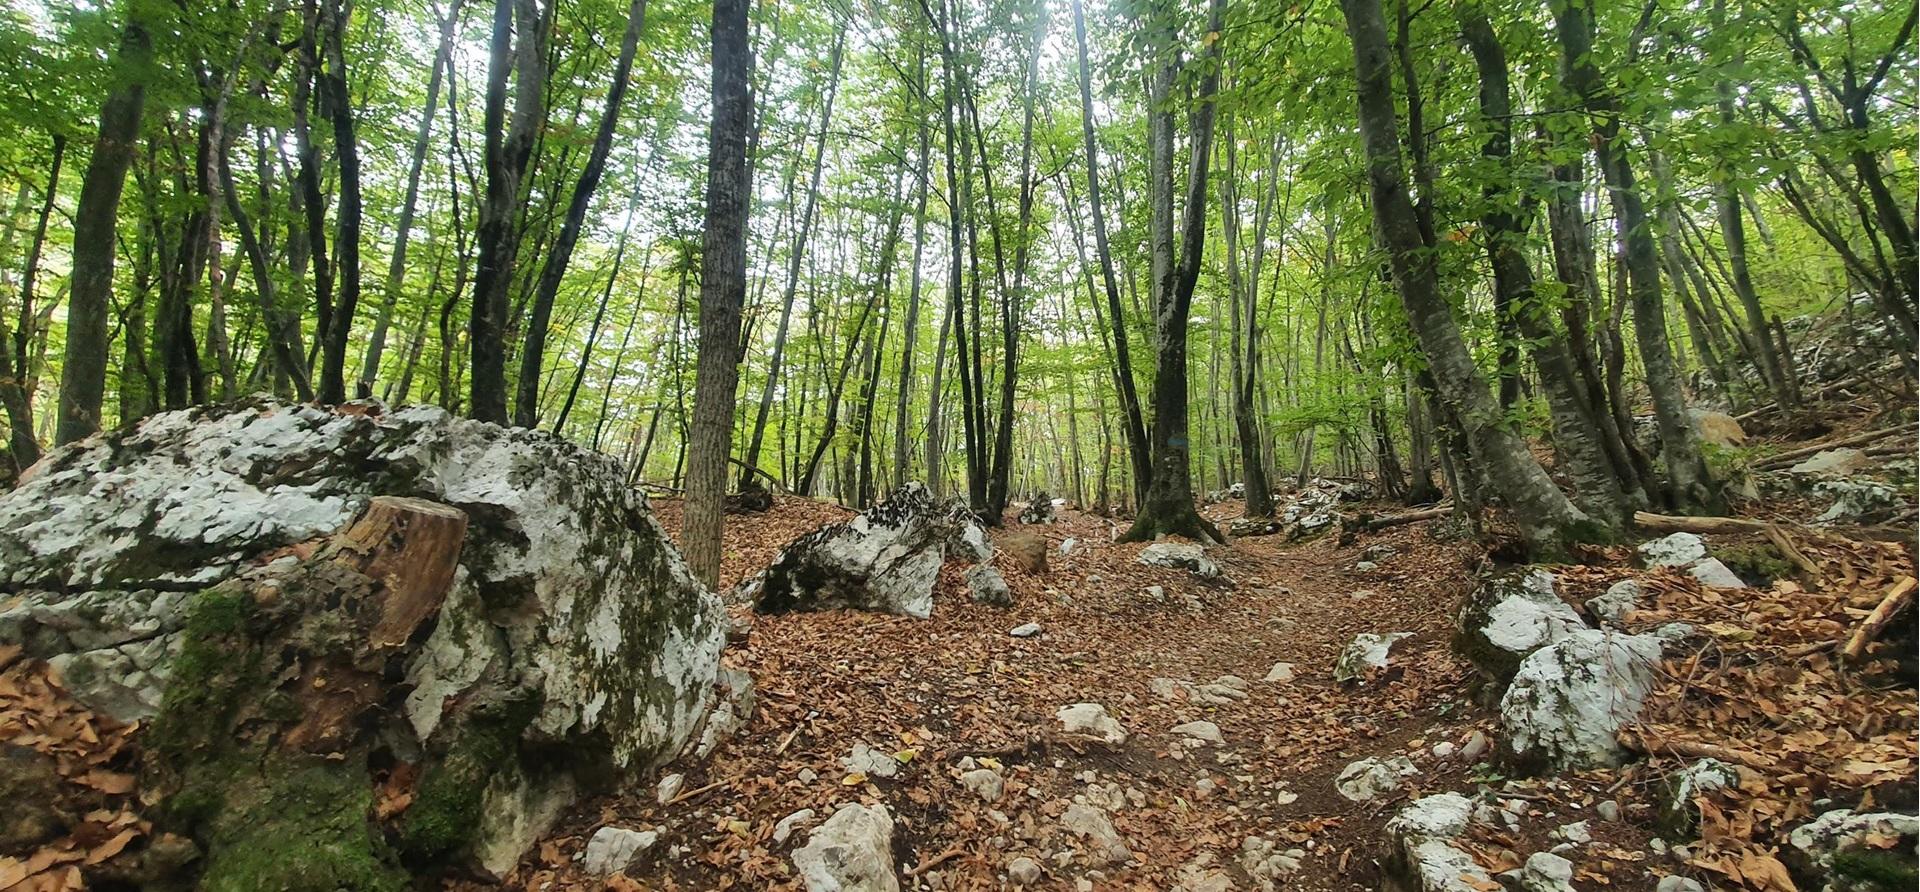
[1123,253]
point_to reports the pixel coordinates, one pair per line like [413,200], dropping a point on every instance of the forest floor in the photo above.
[957,691]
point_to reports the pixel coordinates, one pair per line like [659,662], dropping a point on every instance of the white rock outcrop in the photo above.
[613,849]
[1506,617]
[1179,556]
[852,851]
[1568,702]
[1675,550]
[1621,598]
[1421,850]
[884,559]
[1815,844]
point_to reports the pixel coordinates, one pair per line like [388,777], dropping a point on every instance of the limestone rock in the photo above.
[1179,556]
[1267,863]
[1091,719]
[1833,463]
[783,829]
[1567,702]
[1200,730]
[1023,871]
[1366,656]
[987,586]
[1104,845]
[1506,617]
[1281,673]
[1857,501]
[985,783]
[1675,550]
[560,616]
[884,559]
[1370,778]
[870,762]
[1546,872]
[1025,630]
[1620,599]
[669,787]
[851,852]
[613,849]
[1421,851]
[1039,509]
[731,712]
[1679,884]
[1820,846]
[1714,574]
[1679,814]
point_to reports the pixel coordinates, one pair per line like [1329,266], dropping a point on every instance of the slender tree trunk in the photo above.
[911,328]
[527,400]
[1690,485]
[1546,517]
[1134,423]
[508,148]
[83,378]
[1168,507]
[15,356]
[397,263]
[751,461]
[339,108]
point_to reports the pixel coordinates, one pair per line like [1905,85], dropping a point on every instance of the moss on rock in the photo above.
[445,813]
[300,827]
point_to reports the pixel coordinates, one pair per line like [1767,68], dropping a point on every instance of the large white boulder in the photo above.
[884,559]
[568,620]
[850,852]
[1568,702]
[1674,550]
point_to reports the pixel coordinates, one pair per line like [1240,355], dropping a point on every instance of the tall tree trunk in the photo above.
[1245,348]
[1506,221]
[1134,425]
[527,400]
[16,360]
[1690,486]
[507,149]
[1168,507]
[397,263]
[751,461]
[1546,517]
[338,104]
[911,329]
[723,290]
[83,375]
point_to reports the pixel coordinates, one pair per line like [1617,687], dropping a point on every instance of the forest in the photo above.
[1126,254]
[1172,445]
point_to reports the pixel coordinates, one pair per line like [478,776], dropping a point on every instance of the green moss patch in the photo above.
[304,828]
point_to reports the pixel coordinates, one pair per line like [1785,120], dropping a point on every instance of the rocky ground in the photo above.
[1221,753]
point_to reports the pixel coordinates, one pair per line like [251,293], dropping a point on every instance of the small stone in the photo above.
[1547,872]
[1025,630]
[986,586]
[1067,544]
[1576,832]
[669,787]
[1443,749]
[1366,656]
[1370,778]
[1712,573]
[1167,688]
[1676,550]
[985,783]
[1091,719]
[1476,746]
[1620,599]
[1200,730]
[1205,786]
[1365,567]
[783,830]
[870,762]
[1281,673]
[806,775]
[1608,810]
[851,852]
[1023,871]
[614,849]
[1092,825]
[1679,884]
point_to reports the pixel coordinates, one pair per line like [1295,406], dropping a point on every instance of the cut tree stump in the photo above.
[411,547]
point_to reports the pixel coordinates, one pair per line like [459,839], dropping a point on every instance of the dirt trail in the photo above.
[957,685]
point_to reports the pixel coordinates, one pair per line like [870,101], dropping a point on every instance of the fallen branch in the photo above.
[1653,745]
[1815,396]
[1394,520]
[951,853]
[695,792]
[1778,537]
[1674,523]
[1791,456]
[1898,598]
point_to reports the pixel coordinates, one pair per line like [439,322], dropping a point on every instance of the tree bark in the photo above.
[723,290]
[1546,518]
[507,149]
[83,378]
